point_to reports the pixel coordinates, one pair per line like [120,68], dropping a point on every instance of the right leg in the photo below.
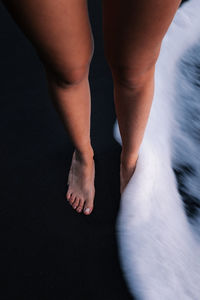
[61,34]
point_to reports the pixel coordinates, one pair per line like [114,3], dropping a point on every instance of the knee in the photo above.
[66,73]
[134,75]
[66,76]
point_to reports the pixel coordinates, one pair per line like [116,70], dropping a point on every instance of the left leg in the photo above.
[133,32]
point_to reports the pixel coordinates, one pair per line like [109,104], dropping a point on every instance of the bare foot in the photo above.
[81,188]
[127,168]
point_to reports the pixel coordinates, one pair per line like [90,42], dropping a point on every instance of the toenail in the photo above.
[87,210]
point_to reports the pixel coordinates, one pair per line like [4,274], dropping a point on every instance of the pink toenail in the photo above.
[87,210]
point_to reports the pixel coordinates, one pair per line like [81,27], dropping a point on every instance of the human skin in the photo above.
[133,32]
[61,33]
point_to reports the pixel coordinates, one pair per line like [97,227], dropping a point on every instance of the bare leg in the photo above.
[61,34]
[133,32]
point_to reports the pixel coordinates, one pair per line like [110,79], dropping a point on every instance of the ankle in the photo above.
[84,155]
[128,159]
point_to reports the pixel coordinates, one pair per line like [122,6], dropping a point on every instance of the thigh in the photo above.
[133,30]
[59,29]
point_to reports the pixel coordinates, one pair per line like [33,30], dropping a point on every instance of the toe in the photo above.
[72,198]
[80,207]
[88,206]
[75,203]
[68,195]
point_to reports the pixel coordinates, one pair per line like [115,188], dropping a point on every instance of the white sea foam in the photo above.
[159,244]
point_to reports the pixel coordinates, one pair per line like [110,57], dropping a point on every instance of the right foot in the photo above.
[81,188]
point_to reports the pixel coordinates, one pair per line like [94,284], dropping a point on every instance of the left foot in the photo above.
[127,168]
[81,188]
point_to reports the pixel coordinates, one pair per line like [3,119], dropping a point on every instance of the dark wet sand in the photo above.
[48,250]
